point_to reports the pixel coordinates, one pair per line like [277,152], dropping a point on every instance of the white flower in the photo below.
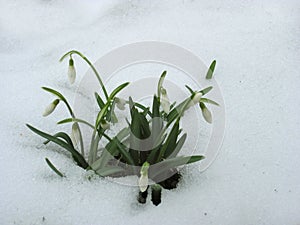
[196,99]
[165,103]
[75,135]
[206,113]
[143,181]
[120,103]
[71,71]
[104,124]
[50,108]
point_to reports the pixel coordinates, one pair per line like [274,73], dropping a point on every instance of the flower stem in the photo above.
[90,64]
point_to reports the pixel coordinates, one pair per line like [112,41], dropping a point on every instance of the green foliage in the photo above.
[151,137]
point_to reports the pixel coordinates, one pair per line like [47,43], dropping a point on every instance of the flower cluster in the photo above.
[148,146]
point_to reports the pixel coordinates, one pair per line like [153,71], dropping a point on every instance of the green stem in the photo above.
[90,64]
[73,116]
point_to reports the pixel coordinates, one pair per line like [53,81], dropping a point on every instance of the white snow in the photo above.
[255,178]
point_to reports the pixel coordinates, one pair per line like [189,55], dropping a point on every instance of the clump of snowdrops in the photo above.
[148,146]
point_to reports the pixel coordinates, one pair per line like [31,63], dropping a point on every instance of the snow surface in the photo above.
[254,180]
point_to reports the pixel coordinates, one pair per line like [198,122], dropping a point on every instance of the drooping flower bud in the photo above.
[165,103]
[120,103]
[143,181]
[50,108]
[206,113]
[104,124]
[71,71]
[75,135]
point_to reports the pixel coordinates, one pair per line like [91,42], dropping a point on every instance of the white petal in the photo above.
[75,134]
[165,103]
[105,125]
[207,115]
[50,108]
[197,97]
[71,74]
[120,103]
[143,183]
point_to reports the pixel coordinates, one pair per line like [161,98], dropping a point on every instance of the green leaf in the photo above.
[190,89]
[66,145]
[170,144]
[111,116]
[177,112]
[179,145]
[209,101]
[102,113]
[63,136]
[145,109]
[211,70]
[99,100]
[53,168]
[153,155]
[157,122]
[161,167]
[125,153]
[117,90]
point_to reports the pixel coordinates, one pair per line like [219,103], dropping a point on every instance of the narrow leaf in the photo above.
[178,146]
[99,100]
[53,168]
[172,163]
[190,89]
[66,145]
[117,90]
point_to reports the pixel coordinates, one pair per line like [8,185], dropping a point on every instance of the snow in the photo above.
[254,179]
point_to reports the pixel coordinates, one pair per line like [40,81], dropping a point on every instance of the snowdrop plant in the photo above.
[149,144]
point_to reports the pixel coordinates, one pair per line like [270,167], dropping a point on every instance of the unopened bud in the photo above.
[206,113]
[50,108]
[71,71]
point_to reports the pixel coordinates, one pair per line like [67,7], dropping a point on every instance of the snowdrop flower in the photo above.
[104,124]
[206,113]
[71,71]
[143,181]
[75,135]
[165,103]
[50,108]
[120,103]
[196,99]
